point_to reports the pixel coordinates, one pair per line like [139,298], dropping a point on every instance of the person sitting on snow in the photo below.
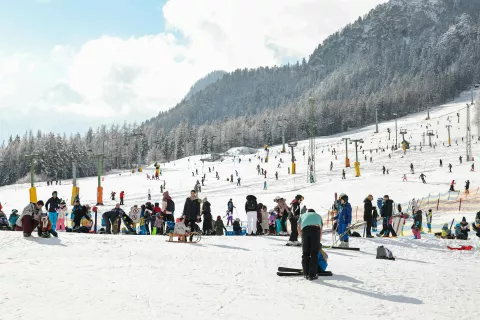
[464,227]
[45,227]
[322,260]
[459,235]
[4,221]
[180,230]
[237,228]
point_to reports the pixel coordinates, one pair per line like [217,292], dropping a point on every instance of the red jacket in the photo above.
[122,194]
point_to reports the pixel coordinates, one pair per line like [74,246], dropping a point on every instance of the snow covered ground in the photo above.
[120,277]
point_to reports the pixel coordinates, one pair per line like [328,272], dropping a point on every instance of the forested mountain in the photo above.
[201,84]
[401,57]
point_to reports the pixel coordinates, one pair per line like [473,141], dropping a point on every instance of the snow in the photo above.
[124,277]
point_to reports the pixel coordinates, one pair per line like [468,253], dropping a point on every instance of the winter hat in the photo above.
[54,193]
[276,199]
[219,218]
[464,220]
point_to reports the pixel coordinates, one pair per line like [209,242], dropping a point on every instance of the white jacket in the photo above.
[180,228]
[30,210]
[62,213]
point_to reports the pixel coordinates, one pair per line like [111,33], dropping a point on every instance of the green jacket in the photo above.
[219,227]
[310,219]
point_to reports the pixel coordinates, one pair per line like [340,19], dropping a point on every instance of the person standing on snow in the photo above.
[452,186]
[404,178]
[52,205]
[467,187]
[207,217]
[310,229]
[293,218]
[122,195]
[149,195]
[344,220]
[441,163]
[387,212]
[450,167]
[343,174]
[251,211]
[168,207]
[368,214]
[191,211]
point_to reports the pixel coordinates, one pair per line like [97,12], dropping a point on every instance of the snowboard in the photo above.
[340,248]
[292,272]
[397,224]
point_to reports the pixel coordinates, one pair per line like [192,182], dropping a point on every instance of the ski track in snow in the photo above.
[144,277]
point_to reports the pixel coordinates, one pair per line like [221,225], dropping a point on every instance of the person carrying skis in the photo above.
[422,176]
[368,214]
[467,187]
[310,229]
[52,205]
[344,220]
[293,218]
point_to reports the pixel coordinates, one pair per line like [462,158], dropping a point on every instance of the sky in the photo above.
[67,65]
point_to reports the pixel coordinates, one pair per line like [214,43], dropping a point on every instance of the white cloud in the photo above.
[113,79]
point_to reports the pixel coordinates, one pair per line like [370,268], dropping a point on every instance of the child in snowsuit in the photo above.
[322,260]
[4,221]
[464,226]
[429,216]
[219,226]
[237,228]
[417,224]
[271,220]
[13,218]
[375,219]
[180,230]
[62,214]
[459,234]
[45,227]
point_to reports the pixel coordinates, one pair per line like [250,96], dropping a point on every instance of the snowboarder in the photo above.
[450,167]
[344,220]
[310,229]
[422,176]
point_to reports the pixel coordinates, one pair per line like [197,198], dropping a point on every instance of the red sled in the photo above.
[468,248]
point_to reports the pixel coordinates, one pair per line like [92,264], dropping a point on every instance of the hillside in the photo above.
[204,82]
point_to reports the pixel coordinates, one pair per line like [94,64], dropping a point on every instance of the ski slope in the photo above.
[120,277]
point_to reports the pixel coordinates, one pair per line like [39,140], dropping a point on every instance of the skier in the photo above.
[265,174]
[238,181]
[452,186]
[265,185]
[293,218]
[344,220]
[231,178]
[251,211]
[460,158]
[216,175]
[112,195]
[122,196]
[203,181]
[441,163]
[467,187]
[331,165]
[422,176]
[230,207]
[450,167]
[343,174]
[52,205]
[384,169]
[473,167]
[371,159]
[310,229]
[196,170]
[149,195]
[404,178]
[368,214]
[411,168]
[276,175]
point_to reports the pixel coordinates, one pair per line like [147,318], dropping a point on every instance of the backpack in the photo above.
[170,205]
[384,253]
[251,205]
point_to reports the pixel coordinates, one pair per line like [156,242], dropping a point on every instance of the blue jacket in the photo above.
[345,215]
[322,264]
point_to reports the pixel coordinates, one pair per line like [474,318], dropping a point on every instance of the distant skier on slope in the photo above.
[422,176]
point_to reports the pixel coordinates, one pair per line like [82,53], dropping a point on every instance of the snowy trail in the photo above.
[120,277]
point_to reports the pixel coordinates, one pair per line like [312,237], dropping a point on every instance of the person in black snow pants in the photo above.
[310,229]
[191,211]
[293,218]
[368,214]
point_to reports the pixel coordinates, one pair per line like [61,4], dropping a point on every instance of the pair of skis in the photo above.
[291,272]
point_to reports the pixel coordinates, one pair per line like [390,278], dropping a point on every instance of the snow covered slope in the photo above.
[120,277]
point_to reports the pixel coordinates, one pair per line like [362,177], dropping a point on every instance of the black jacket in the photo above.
[79,214]
[367,210]
[52,204]
[387,209]
[191,209]
[254,204]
